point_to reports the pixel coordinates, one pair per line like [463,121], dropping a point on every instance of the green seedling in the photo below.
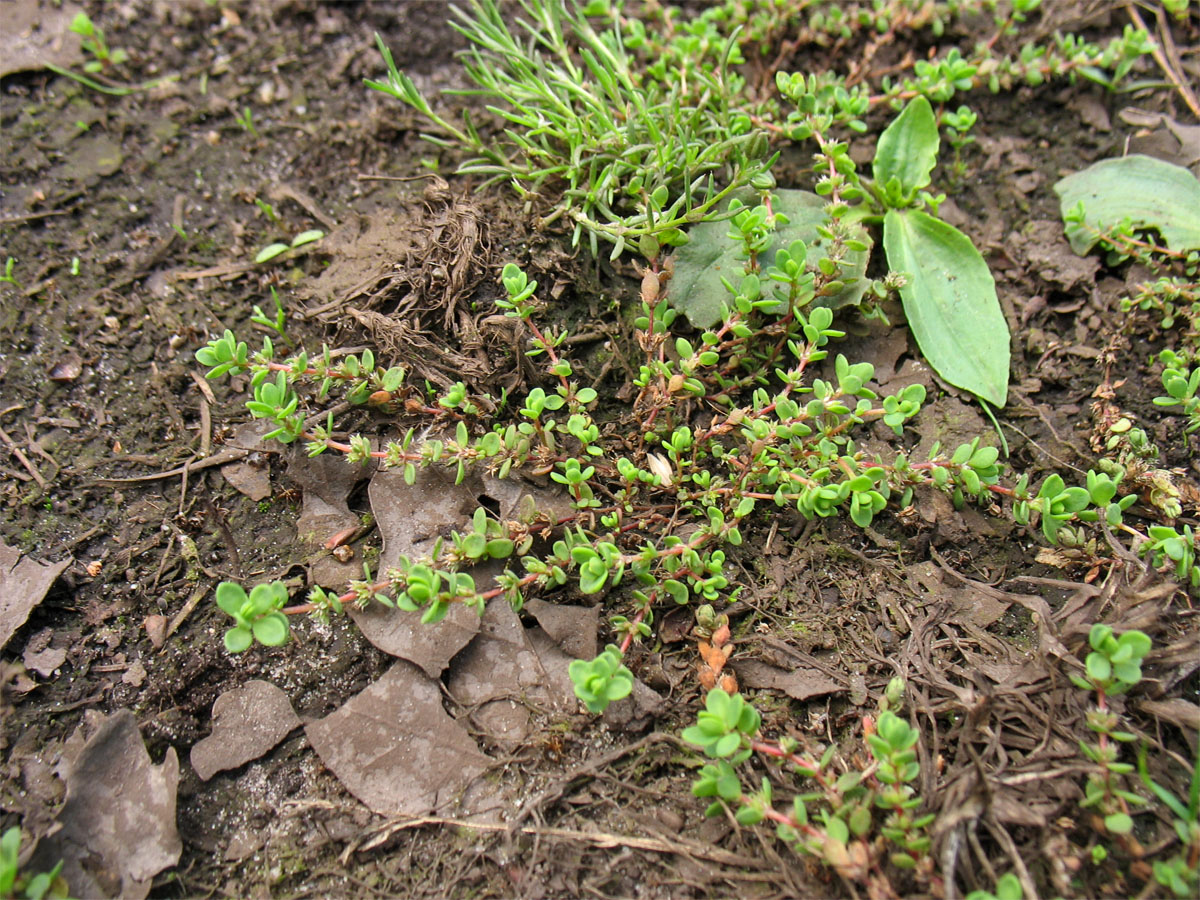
[1182,384]
[271,251]
[836,822]
[257,616]
[633,181]
[95,44]
[1008,887]
[1179,873]
[601,681]
[278,322]
[104,61]
[15,883]
[246,120]
[8,277]
[267,209]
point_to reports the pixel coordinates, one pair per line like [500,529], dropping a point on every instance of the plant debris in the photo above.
[23,585]
[396,749]
[247,722]
[118,822]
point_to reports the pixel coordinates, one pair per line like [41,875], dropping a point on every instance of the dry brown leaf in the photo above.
[247,722]
[36,33]
[118,822]
[23,584]
[798,683]
[575,628]
[394,747]
[499,675]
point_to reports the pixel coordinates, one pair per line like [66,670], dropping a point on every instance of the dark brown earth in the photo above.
[100,395]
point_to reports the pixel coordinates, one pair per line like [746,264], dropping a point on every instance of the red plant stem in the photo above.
[547,346]
[637,620]
[351,596]
[678,550]
[807,766]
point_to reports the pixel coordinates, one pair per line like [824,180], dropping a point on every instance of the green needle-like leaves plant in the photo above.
[626,155]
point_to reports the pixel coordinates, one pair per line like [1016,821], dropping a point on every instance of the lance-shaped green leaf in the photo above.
[950,302]
[1149,192]
[907,152]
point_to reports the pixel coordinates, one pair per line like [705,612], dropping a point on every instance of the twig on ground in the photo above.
[600,839]
[22,458]
[1169,69]
[1000,833]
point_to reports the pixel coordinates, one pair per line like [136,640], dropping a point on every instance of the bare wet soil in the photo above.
[134,221]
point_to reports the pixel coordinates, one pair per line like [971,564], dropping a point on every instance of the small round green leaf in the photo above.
[272,629]
[230,597]
[1118,823]
[238,639]
[307,237]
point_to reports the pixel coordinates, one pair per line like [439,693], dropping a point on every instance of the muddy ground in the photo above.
[133,222]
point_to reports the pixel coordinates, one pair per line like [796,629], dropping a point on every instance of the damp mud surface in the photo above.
[461,765]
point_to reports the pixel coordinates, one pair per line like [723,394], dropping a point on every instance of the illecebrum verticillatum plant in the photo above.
[781,435]
[836,822]
[658,518]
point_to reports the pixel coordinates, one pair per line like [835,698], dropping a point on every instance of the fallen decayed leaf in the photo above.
[575,628]
[118,822]
[1147,191]
[499,676]
[396,749]
[247,722]
[696,289]
[23,584]
[156,630]
[327,482]
[410,518]
[45,661]
[68,367]
[36,33]
[401,634]
[251,480]
[798,683]
[969,607]
[1183,713]
[135,675]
